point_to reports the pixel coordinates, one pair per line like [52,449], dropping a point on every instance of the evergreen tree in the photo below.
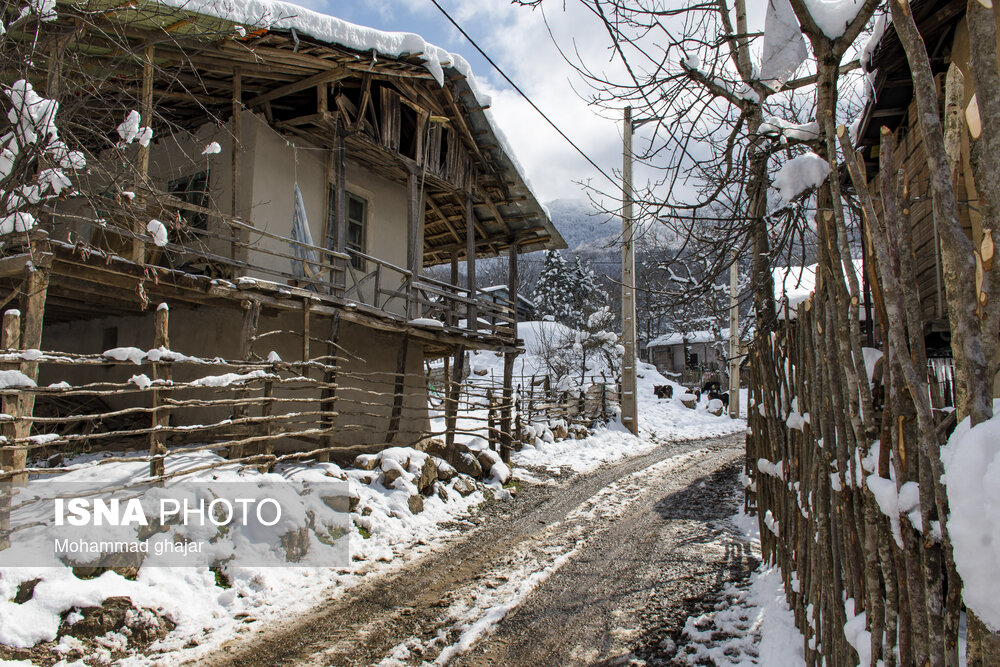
[554,292]
[588,297]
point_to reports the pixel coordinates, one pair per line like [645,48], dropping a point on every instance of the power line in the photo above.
[526,98]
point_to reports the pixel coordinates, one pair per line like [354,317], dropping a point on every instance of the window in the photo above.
[357,223]
[192,189]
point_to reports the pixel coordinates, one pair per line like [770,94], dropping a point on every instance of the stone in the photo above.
[416,504]
[296,544]
[389,476]
[442,492]
[467,464]
[487,457]
[25,590]
[464,486]
[559,432]
[445,471]
[366,462]
[115,614]
[433,446]
[428,475]
[689,404]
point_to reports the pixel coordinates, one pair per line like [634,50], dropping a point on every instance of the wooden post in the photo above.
[506,437]
[266,408]
[398,389]
[36,290]
[454,395]
[547,397]
[306,355]
[630,412]
[516,435]
[240,237]
[452,310]
[142,157]
[339,232]
[9,459]
[251,320]
[414,238]
[329,393]
[491,420]
[472,314]
[161,414]
[734,340]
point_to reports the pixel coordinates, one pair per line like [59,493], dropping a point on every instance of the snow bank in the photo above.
[384,532]
[972,477]
[752,626]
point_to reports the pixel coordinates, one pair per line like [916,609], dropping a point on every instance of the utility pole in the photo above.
[630,408]
[734,341]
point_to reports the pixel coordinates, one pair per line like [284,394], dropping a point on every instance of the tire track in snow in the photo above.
[372,621]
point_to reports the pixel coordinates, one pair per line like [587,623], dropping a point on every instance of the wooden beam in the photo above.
[142,158]
[326,77]
[397,396]
[447,221]
[14,265]
[414,231]
[470,263]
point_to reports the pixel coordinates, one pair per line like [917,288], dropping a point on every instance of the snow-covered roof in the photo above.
[252,19]
[275,14]
[667,339]
[797,283]
[503,288]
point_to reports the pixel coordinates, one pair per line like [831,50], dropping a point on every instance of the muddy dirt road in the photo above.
[594,569]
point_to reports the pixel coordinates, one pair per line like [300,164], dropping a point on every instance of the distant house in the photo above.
[695,350]
[498,294]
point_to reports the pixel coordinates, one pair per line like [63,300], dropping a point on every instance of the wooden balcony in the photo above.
[232,251]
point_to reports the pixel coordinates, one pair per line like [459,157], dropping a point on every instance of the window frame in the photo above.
[356,261]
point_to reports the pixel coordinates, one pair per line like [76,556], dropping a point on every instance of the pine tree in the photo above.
[554,292]
[588,298]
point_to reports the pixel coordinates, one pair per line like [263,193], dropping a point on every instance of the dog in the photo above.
[663,391]
[722,396]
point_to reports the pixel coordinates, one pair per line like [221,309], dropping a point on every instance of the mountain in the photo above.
[581,226]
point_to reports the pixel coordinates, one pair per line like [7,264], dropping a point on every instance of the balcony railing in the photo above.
[232,249]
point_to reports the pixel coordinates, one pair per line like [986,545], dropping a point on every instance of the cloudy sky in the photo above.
[518,39]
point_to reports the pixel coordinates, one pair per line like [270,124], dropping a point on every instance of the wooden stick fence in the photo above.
[821,521]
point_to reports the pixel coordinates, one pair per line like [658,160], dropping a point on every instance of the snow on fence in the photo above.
[854,533]
[248,412]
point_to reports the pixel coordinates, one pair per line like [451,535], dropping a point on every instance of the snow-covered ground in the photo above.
[210,608]
[751,623]
[659,419]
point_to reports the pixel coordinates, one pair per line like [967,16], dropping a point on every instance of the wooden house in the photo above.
[701,351]
[943,28]
[305,171]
